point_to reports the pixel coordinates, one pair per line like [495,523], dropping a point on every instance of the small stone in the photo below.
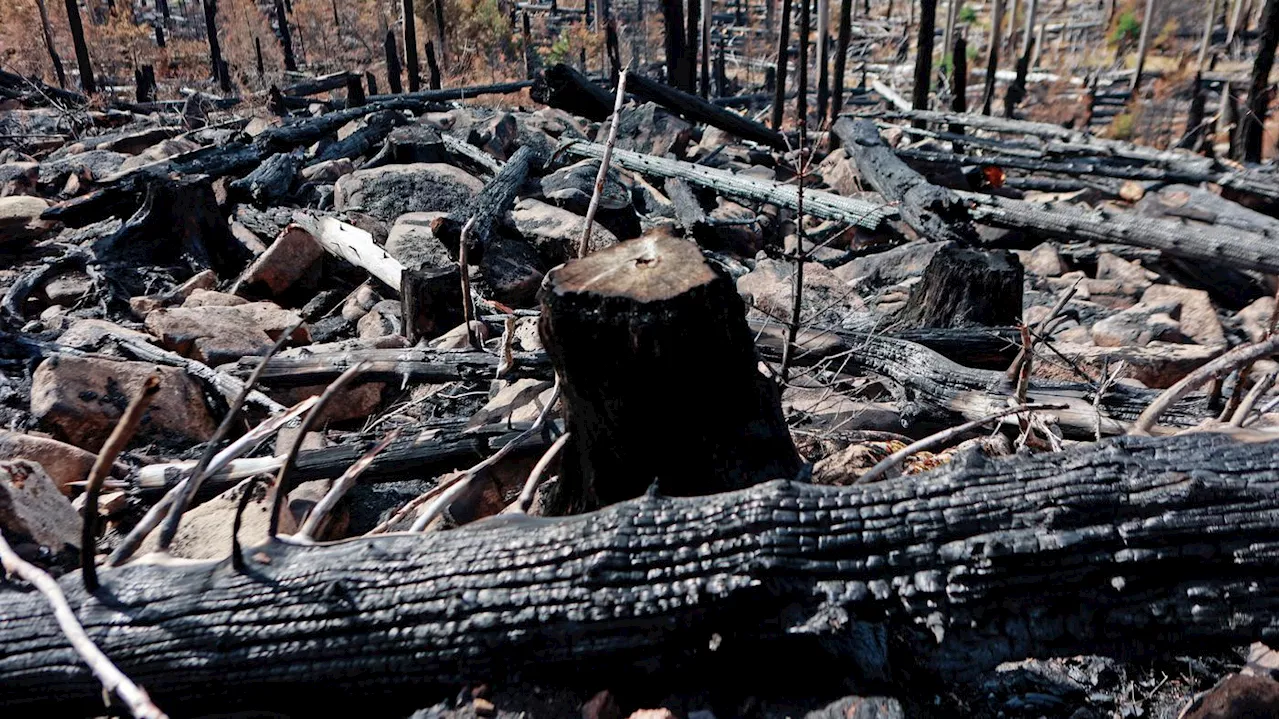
[32,509]
[769,288]
[63,463]
[144,305]
[68,289]
[205,532]
[518,401]
[210,298]
[360,400]
[1043,260]
[414,244]
[218,335]
[381,320]
[90,334]
[283,263]
[1139,326]
[1237,695]
[390,191]
[359,303]
[456,338]
[1197,315]
[328,171]
[1132,275]
[556,232]
[840,174]
[526,337]
[496,136]
[80,400]
[20,219]
[601,706]
[1259,318]
[652,714]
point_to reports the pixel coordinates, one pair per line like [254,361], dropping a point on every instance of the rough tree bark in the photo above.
[211,30]
[563,87]
[924,57]
[842,52]
[634,331]
[780,66]
[393,63]
[993,56]
[935,212]
[1255,115]
[82,50]
[964,287]
[411,44]
[286,40]
[1133,547]
[696,109]
[47,32]
[673,42]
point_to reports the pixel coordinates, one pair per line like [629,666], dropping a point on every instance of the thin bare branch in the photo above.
[1238,357]
[585,243]
[468,305]
[1255,393]
[535,477]
[311,526]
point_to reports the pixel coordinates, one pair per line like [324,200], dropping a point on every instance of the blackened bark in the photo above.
[82,50]
[411,44]
[393,63]
[1259,97]
[842,52]
[924,57]
[286,39]
[780,65]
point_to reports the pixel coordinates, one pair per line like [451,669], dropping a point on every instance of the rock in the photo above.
[769,288]
[571,188]
[1235,697]
[19,178]
[160,151]
[456,338]
[1132,276]
[358,303]
[391,191]
[601,706]
[144,305]
[650,130]
[92,165]
[1199,319]
[210,298]
[652,714]
[218,335]
[90,334]
[888,267]
[285,262]
[1139,326]
[68,289]
[526,337]
[328,171]
[518,401]
[555,232]
[496,136]
[20,219]
[415,245]
[62,462]
[32,509]
[1262,661]
[205,532]
[1259,318]
[356,401]
[839,172]
[381,320]
[1043,260]
[739,232]
[860,708]
[80,399]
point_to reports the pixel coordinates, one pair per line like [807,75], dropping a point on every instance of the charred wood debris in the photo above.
[916,412]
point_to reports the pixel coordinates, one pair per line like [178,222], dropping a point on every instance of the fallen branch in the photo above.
[1238,357]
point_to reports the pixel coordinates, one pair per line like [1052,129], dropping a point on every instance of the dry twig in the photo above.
[311,526]
[1255,393]
[1238,357]
[535,476]
[468,306]
[603,172]
[120,436]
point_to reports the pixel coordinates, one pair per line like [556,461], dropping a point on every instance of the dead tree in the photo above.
[144,81]
[257,56]
[1255,114]
[286,39]
[704,44]
[673,42]
[1207,38]
[47,32]
[211,30]
[696,109]
[780,66]
[802,68]
[993,56]
[936,213]
[1144,40]
[924,57]
[433,68]
[633,331]
[1138,547]
[411,44]
[824,51]
[563,87]
[159,35]
[441,37]
[393,63]
[842,52]
[82,50]
[1193,135]
[959,82]
[692,17]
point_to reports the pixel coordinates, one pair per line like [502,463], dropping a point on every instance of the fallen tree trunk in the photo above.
[416,365]
[1135,546]
[826,205]
[696,109]
[1193,241]
[937,213]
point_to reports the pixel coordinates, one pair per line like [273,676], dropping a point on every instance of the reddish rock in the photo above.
[1238,696]
[1259,318]
[218,335]
[144,305]
[283,263]
[1199,320]
[80,399]
[210,298]
[33,510]
[61,461]
[20,218]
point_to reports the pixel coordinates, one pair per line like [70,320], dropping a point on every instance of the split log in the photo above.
[353,245]
[564,88]
[1136,547]
[696,109]
[1193,241]
[489,206]
[826,205]
[634,332]
[935,212]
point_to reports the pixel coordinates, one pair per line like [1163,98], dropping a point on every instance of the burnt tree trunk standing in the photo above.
[1144,42]
[286,40]
[993,56]
[410,44]
[1017,90]
[704,42]
[842,51]
[355,91]
[159,35]
[964,287]
[211,29]
[441,40]
[924,58]
[257,57]
[1193,134]
[430,301]
[633,332]
[693,15]
[780,65]
[959,84]
[1255,113]
[82,50]
[802,67]
[824,58]
[393,63]
[47,31]
[673,41]
[372,82]
[433,67]
[144,84]
[163,7]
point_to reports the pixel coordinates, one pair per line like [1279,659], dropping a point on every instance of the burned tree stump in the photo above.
[430,302]
[964,287]
[659,379]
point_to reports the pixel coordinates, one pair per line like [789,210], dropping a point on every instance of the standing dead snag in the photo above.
[82,50]
[1259,96]
[410,45]
[286,40]
[634,332]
